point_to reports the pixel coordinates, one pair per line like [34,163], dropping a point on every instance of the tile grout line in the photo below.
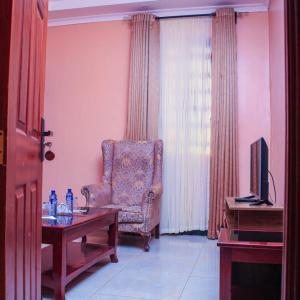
[191,271]
[135,256]
[117,273]
[128,297]
[122,270]
[125,297]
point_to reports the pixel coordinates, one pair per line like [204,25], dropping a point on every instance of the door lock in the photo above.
[49,155]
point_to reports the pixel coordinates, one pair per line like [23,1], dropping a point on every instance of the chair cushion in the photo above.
[128,214]
[133,167]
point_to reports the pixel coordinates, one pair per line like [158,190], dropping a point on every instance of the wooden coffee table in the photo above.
[64,259]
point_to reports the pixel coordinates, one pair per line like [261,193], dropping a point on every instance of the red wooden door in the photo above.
[23,25]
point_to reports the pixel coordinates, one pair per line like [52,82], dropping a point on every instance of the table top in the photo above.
[233,205]
[66,221]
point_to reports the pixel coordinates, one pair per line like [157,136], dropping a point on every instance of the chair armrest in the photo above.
[97,195]
[151,207]
[154,192]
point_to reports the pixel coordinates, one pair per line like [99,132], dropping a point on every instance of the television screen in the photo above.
[259,185]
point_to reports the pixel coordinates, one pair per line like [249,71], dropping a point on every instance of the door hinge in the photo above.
[1,147]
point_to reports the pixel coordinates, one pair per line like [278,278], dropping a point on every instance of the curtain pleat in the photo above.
[224,180]
[144,79]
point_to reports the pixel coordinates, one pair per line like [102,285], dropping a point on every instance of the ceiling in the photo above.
[63,12]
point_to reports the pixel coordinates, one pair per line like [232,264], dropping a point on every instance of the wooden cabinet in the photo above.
[252,241]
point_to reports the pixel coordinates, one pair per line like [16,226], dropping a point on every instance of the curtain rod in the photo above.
[187,16]
[190,16]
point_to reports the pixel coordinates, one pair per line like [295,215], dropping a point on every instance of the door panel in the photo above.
[38,59]
[19,240]
[26,15]
[35,251]
[36,89]
[27,249]
[21,174]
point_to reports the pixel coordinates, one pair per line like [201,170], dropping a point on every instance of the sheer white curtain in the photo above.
[185,122]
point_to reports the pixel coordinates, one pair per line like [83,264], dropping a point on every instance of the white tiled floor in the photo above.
[177,267]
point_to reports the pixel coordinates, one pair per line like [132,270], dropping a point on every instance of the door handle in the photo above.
[47,133]
[49,155]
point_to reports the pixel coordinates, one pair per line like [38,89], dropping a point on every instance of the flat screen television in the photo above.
[259,183]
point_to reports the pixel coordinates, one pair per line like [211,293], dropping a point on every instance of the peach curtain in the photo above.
[143,106]
[224,179]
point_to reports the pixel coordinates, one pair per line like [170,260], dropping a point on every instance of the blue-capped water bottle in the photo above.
[52,204]
[69,201]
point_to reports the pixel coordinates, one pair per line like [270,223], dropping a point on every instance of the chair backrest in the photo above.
[131,167]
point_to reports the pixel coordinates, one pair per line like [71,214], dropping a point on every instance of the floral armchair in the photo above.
[132,181]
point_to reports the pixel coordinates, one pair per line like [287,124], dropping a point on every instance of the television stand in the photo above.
[261,202]
[250,245]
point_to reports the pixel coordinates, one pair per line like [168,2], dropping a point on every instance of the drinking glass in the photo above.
[45,208]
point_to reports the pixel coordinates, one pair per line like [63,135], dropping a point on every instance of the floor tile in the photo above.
[179,246]
[90,281]
[81,288]
[145,285]
[201,288]
[177,266]
[208,263]
[110,297]
[124,260]
[163,264]
[80,293]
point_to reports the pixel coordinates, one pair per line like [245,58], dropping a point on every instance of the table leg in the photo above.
[60,266]
[225,273]
[113,239]
[83,241]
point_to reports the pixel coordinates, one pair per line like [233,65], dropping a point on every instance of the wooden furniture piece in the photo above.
[291,263]
[253,236]
[64,259]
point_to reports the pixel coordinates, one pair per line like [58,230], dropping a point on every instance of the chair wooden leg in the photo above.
[147,239]
[157,231]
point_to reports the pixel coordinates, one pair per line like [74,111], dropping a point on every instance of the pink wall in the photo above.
[86,95]
[86,99]
[277,90]
[253,87]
